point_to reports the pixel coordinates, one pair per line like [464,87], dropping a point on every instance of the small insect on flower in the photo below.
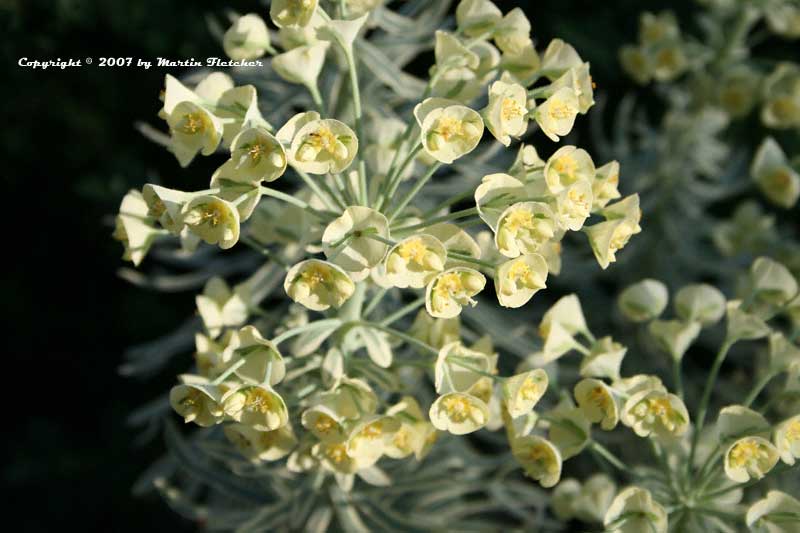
[517,280]
[539,458]
[323,146]
[451,290]
[213,219]
[458,413]
[318,285]
[750,457]
[523,391]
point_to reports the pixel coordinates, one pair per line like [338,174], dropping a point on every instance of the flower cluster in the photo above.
[370,196]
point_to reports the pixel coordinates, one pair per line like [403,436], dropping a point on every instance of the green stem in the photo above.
[393,180]
[677,377]
[757,388]
[703,407]
[373,303]
[470,259]
[443,218]
[278,195]
[329,200]
[316,97]
[606,454]
[294,332]
[402,336]
[403,311]
[414,191]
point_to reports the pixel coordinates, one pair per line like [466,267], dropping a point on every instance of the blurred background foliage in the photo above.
[70,152]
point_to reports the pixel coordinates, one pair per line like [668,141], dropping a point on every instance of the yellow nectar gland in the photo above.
[659,408]
[542,457]
[193,399]
[324,424]
[668,58]
[193,123]
[792,434]
[566,165]
[599,397]
[559,110]
[510,109]
[529,389]
[458,408]
[256,151]
[158,208]
[620,238]
[579,202]
[401,439]
[414,250]
[258,400]
[448,284]
[747,453]
[372,431]
[323,139]
[518,219]
[521,273]
[212,214]
[780,179]
[449,127]
[337,453]
[314,275]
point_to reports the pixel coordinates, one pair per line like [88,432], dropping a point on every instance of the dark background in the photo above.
[69,154]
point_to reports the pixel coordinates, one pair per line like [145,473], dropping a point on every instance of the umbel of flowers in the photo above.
[329,385]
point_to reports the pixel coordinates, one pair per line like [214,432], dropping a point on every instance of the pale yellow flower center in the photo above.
[792,434]
[566,165]
[458,408]
[559,110]
[157,208]
[529,389]
[401,439]
[510,109]
[521,218]
[579,204]
[414,250]
[599,397]
[258,400]
[324,424]
[337,453]
[372,431]
[314,275]
[448,284]
[748,453]
[193,399]
[449,127]
[542,457]
[323,139]
[193,123]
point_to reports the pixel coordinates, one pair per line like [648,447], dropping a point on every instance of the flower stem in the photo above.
[278,195]
[443,218]
[414,191]
[703,407]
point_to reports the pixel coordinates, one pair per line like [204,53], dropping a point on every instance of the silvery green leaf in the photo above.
[377,346]
[387,72]
[375,476]
[332,366]
[309,341]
